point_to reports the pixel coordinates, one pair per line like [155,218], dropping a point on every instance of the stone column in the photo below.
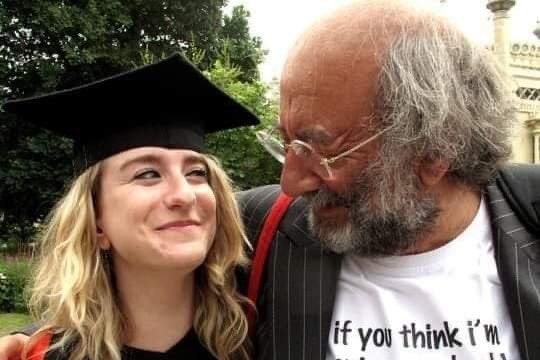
[534,125]
[536,147]
[501,22]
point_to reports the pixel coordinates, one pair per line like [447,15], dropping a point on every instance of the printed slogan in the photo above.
[419,336]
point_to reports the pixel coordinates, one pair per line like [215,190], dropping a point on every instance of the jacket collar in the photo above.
[518,261]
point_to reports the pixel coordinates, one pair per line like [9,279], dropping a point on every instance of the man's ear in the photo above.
[431,172]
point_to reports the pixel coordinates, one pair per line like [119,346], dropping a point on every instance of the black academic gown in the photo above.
[189,347]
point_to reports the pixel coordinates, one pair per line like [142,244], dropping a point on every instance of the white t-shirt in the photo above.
[446,304]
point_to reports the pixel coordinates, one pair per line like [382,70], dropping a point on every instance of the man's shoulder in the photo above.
[256,204]
[521,170]
[520,186]
[259,196]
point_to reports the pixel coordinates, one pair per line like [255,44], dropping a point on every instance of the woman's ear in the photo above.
[102,239]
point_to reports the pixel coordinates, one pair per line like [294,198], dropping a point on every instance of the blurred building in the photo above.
[522,61]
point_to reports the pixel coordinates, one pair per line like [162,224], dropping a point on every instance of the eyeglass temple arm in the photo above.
[326,162]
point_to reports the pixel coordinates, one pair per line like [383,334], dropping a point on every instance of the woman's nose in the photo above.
[180,192]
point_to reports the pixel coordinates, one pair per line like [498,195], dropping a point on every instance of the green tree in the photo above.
[246,161]
[51,44]
[244,50]
[47,45]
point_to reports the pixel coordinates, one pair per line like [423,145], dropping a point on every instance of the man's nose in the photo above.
[297,177]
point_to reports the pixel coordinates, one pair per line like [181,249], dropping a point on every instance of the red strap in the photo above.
[39,347]
[261,252]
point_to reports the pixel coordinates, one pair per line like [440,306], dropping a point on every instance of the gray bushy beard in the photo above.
[386,213]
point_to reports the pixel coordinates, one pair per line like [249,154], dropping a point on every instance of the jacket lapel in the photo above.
[517,256]
[298,298]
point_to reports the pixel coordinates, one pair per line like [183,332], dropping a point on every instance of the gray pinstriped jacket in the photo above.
[299,284]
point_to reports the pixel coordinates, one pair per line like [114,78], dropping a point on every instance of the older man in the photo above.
[398,246]
[394,125]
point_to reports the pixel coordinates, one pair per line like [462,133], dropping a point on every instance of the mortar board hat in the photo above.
[167,104]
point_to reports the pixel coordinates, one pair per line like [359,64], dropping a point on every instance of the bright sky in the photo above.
[280,22]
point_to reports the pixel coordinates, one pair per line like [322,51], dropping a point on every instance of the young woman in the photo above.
[137,259]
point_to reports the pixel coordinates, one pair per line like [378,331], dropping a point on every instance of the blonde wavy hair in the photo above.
[73,292]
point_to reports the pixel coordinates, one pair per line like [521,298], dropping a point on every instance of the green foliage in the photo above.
[47,45]
[246,162]
[32,174]
[244,51]
[7,293]
[13,280]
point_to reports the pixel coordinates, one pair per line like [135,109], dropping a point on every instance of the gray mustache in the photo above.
[323,198]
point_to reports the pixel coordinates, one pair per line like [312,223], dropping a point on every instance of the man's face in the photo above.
[365,207]
[324,105]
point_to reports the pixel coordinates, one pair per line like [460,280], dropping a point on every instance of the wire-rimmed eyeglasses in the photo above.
[274,144]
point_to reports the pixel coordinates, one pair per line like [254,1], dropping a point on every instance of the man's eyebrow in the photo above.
[315,134]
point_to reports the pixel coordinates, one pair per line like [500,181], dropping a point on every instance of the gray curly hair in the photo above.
[444,97]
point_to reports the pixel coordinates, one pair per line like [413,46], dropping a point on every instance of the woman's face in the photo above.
[156,209]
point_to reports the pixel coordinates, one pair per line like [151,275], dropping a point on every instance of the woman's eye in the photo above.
[147,174]
[198,173]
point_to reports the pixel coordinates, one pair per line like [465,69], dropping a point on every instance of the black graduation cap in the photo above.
[167,104]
